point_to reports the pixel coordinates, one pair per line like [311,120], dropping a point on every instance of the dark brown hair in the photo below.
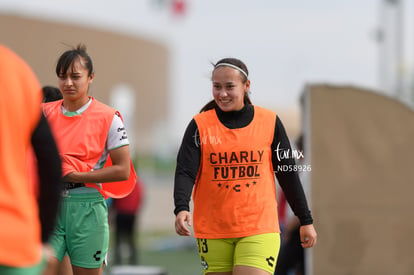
[51,93]
[67,58]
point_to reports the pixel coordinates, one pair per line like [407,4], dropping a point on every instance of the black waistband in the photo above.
[72,185]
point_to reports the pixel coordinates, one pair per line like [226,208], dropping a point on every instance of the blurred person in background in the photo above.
[51,93]
[27,217]
[96,164]
[229,154]
[126,212]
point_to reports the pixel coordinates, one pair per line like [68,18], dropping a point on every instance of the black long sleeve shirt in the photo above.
[189,155]
[50,174]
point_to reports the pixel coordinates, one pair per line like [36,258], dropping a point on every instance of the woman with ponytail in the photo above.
[227,162]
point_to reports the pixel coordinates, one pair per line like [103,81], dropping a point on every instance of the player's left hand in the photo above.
[308,236]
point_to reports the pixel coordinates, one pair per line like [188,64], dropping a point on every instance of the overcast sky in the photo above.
[285,44]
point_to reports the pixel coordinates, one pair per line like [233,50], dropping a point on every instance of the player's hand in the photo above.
[182,222]
[48,252]
[308,236]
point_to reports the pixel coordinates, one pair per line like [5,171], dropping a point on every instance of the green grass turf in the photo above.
[160,249]
[178,262]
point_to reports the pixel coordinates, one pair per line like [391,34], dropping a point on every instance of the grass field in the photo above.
[176,255]
[175,262]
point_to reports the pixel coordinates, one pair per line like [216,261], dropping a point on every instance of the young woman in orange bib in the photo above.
[89,135]
[227,161]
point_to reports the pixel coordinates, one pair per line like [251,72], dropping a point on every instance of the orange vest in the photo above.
[20,238]
[81,141]
[235,193]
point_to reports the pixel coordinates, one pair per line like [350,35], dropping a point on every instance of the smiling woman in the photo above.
[228,155]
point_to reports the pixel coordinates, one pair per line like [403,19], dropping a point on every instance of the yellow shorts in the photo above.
[221,255]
